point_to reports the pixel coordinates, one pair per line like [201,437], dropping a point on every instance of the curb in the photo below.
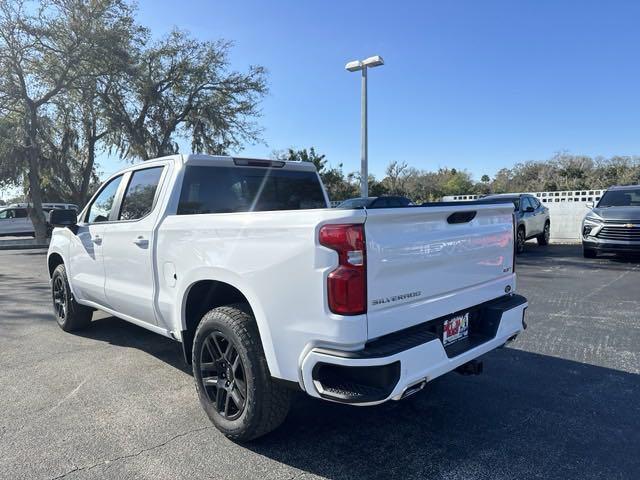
[23,247]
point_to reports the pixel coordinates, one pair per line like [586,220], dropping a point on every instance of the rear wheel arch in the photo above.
[201,297]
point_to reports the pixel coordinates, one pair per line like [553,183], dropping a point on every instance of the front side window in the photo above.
[141,191]
[100,209]
[245,189]
[628,197]
[6,214]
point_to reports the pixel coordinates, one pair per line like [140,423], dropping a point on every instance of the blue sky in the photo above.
[479,85]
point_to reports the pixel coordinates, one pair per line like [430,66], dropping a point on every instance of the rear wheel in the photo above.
[520,239]
[69,314]
[589,252]
[232,377]
[543,238]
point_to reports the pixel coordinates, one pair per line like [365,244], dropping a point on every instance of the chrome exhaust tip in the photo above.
[414,388]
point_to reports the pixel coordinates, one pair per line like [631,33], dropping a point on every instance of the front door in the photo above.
[86,266]
[129,284]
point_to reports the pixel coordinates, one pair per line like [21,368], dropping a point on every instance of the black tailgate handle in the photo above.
[461,217]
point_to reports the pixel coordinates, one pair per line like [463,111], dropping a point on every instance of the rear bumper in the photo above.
[612,246]
[400,363]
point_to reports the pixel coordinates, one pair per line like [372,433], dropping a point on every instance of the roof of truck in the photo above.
[246,161]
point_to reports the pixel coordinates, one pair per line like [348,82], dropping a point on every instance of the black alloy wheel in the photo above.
[223,375]
[520,240]
[59,292]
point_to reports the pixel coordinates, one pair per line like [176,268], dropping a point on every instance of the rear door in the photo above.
[129,277]
[22,221]
[426,262]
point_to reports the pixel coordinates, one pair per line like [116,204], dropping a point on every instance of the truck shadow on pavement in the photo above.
[124,334]
[528,416]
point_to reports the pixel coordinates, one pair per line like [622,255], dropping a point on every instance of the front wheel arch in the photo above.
[53,261]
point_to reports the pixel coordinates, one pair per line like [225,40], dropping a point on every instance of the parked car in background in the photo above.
[533,218]
[15,220]
[268,289]
[386,201]
[614,224]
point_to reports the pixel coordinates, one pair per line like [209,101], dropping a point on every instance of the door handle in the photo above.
[97,239]
[141,241]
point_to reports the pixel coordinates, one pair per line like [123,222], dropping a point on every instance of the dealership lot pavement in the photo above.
[117,402]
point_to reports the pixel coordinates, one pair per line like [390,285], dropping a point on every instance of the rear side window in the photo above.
[21,213]
[141,191]
[243,189]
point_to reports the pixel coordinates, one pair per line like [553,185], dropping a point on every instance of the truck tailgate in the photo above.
[420,266]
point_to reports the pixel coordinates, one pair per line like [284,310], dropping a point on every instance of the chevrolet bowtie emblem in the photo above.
[629,225]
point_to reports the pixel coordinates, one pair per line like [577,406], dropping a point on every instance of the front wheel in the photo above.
[232,377]
[589,252]
[69,314]
[543,238]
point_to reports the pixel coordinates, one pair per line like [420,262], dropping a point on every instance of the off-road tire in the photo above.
[266,402]
[543,238]
[520,240]
[69,314]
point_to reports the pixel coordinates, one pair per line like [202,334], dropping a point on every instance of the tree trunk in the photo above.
[35,194]
[35,190]
[88,168]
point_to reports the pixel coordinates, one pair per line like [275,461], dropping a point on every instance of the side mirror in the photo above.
[530,209]
[63,218]
[590,204]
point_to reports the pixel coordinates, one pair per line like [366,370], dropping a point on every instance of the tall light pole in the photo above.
[363,65]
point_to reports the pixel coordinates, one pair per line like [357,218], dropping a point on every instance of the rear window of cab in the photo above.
[209,189]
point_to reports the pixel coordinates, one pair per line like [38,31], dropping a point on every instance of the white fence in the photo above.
[565,196]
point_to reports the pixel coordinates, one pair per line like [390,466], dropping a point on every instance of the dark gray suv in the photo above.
[533,218]
[614,224]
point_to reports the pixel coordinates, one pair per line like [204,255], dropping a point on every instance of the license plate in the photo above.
[455,329]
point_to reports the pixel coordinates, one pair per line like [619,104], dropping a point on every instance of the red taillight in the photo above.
[347,284]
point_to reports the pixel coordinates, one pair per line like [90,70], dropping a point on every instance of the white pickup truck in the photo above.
[267,289]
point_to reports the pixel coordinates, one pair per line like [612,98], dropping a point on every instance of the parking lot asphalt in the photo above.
[116,401]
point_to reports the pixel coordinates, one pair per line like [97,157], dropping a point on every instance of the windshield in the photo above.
[514,200]
[628,197]
[355,203]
